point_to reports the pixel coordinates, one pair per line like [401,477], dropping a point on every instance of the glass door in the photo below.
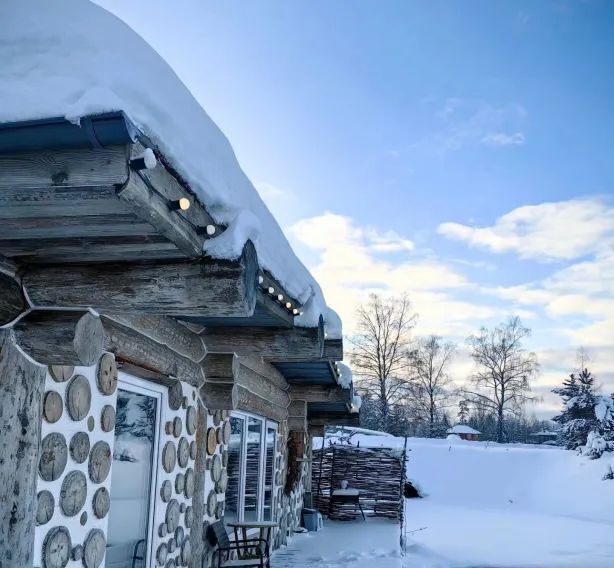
[269,473]
[133,475]
[234,469]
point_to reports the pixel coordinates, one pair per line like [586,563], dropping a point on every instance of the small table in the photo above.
[344,496]
[265,530]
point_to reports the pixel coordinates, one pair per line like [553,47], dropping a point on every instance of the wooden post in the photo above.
[198,501]
[54,337]
[21,390]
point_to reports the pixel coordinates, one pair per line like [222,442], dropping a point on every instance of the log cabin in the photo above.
[165,359]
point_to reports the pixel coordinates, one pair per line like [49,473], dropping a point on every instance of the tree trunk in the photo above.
[500,425]
[21,390]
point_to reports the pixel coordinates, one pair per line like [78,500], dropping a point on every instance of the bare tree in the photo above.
[380,349]
[431,385]
[504,369]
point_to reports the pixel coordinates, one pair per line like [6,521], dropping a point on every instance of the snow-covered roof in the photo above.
[462,429]
[74,59]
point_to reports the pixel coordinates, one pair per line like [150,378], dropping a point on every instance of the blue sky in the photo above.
[399,144]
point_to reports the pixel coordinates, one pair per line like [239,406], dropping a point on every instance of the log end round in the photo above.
[12,300]
[89,339]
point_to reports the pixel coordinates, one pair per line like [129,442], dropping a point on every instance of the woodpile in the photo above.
[378,473]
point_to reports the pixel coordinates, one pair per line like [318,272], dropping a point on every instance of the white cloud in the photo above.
[503,139]
[563,230]
[355,261]
[470,122]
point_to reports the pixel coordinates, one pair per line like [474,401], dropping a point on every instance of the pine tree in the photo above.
[578,416]
[463,411]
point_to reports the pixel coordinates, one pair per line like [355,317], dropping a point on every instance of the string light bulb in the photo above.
[182,204]
[295,312]
[288,305]
[260,279]
[211,230]
[280,297]
[146,161]
[271,290]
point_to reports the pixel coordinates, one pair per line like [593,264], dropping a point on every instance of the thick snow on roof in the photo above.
[73,58]
[463,429]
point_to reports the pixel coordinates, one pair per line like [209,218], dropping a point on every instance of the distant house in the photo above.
[465,432]
[544,437]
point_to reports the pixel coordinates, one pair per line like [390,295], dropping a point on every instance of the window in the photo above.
[134,453]
[251,468]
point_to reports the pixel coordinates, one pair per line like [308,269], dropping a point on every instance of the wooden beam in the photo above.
[272,344]
[12,300]
[166,331]
[334,420]
[82,167]
[264,381]
[60,201]
[251,402]
[89,249]
[275,309]
[22,384]
[316,431]
[219,391]
[333,349]
[297,416]
[171,189]
[150,206]
[132,347]
[207,287]
[320,393]
[34,228]
[54,337]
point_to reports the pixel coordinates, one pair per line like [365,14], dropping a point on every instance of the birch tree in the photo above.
[431,385]
[380,351]
[504,369]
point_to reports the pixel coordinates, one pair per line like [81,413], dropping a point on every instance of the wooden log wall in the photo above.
[377,472]
[21,393]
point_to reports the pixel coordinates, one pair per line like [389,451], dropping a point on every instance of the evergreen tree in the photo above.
[578,416]
[463,411]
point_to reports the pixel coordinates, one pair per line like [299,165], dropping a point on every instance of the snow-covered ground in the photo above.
[507,505]
[484,505]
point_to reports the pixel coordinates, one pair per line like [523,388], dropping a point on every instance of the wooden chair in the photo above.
[252,552]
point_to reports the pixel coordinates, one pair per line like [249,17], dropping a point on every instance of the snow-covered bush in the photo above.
[595,445]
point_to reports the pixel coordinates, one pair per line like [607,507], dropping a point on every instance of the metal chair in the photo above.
[136,555]
[252,552]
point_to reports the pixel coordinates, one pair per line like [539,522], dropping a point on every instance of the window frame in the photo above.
[133,384]
[266,425]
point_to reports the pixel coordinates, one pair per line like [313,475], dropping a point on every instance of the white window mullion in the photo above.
[243,479]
